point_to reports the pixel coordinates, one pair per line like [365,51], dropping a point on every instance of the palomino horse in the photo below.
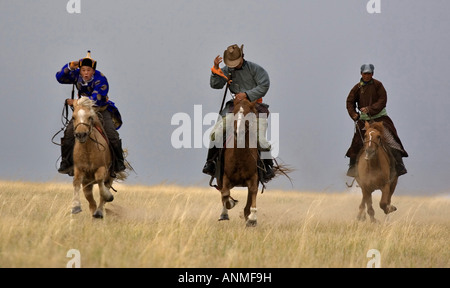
[91,158]
[375,170]
[241,161]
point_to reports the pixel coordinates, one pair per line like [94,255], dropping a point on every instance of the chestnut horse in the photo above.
[375,170]
[91,158]
[241,160]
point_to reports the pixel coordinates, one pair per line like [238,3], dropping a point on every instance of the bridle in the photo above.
[370,141]
[90,126]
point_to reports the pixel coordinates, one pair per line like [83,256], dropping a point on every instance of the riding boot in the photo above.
[66,166]
[352,168]
[118,161]
[268,172]
[210,165]
[399,166]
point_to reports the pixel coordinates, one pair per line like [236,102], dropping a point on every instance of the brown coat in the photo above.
[373,96]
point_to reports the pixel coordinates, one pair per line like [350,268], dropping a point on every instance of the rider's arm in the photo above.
[66,75]
[261,78]
[352,99]
[380,100]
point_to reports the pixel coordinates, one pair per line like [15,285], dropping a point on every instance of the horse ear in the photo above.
[366,125]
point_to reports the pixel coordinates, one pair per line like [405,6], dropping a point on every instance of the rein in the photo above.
[64,116]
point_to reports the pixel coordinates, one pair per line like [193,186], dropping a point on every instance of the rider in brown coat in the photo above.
[370,97]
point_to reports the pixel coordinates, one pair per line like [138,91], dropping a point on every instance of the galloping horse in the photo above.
[91,158]
[375,170]
[241,161]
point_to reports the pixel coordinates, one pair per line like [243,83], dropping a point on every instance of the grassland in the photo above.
[168,226]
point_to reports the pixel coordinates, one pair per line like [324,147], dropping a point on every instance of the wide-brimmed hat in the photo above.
[233,55]
[367,68]
[88,61]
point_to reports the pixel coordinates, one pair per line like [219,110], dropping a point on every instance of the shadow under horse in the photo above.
[375,171]
[239,162]
[91,158]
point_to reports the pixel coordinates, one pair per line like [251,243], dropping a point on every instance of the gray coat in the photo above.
[250,78]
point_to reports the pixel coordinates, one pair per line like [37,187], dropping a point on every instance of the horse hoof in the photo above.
[251,223]
[230,204]
[76,210]
[98,215]
[109,199]
[224,217]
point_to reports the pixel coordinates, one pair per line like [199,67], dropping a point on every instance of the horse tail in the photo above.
[282,169]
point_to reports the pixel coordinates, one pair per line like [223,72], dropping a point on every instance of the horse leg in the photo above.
[362,208]
[76,204]
[370,209]
[87,189]
[385,202]
[250,209]
[227,201]
[105,194]
[392,208]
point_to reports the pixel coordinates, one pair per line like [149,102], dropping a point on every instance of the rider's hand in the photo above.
[365,110]
[69,102]
[74,65]
[241,96]
[217,61]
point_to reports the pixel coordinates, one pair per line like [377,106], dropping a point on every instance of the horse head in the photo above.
[245,116]
[373,138]
[84,117]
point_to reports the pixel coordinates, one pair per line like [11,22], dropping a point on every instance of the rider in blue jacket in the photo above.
[93,84]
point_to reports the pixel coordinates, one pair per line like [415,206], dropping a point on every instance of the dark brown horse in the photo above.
[375,171]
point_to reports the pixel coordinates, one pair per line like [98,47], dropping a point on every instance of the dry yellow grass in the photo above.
[172,226]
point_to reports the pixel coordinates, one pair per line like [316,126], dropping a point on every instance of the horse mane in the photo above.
[86,102]
[377,126]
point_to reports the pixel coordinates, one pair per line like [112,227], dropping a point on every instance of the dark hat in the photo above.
[367,68]
[88,61]
[233,55]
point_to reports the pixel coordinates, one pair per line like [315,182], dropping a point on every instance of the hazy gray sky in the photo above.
[157,57]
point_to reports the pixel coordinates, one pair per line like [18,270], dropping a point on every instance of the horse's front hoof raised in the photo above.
[76,210]
[98,215]
[392,209]
[109,198]
[230,203]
